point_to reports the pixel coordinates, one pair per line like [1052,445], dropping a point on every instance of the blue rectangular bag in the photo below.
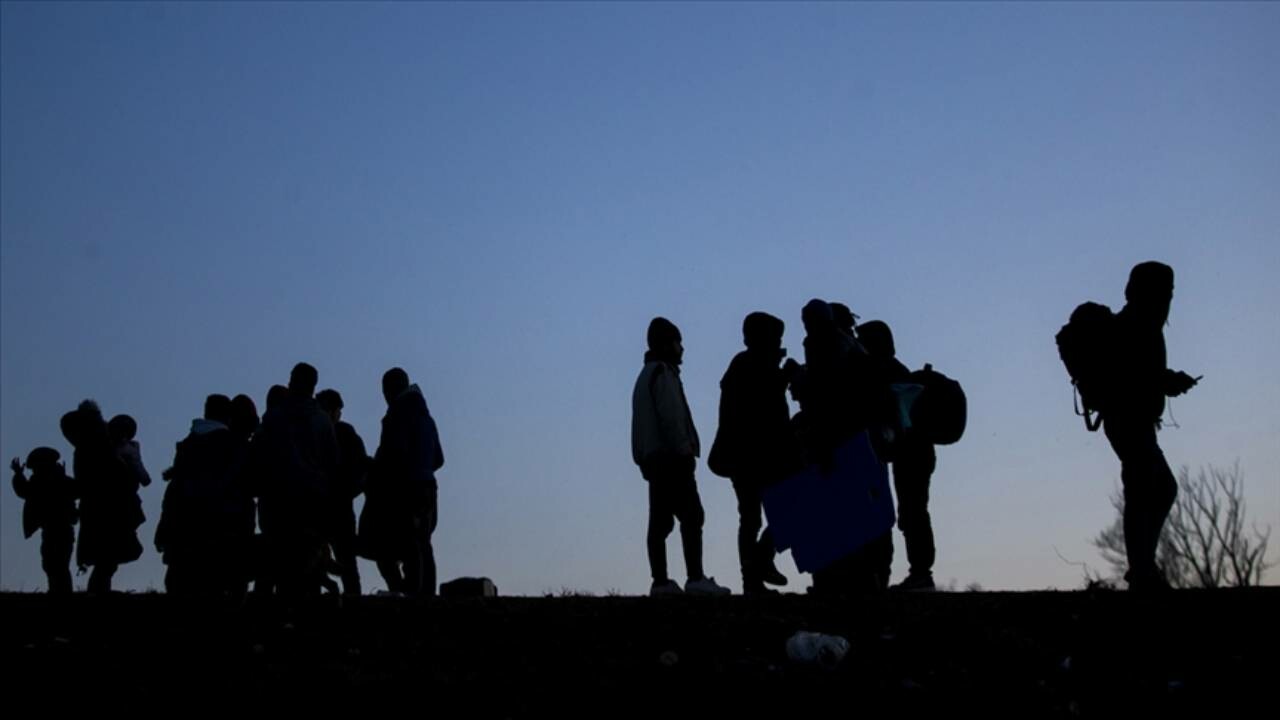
[824,517]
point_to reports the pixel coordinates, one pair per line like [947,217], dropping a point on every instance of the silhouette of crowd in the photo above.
[268,502]
[263,502]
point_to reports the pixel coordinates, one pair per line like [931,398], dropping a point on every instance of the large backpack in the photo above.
[940,411]
[1084,345]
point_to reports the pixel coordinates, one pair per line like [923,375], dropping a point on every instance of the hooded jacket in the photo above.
[661,424]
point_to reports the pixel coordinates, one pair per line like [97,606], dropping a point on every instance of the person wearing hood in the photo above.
[202,535]
[664,443]
[50,507]
[753,445]
[1132,415]
[110,509]
[399,514]
[294,466]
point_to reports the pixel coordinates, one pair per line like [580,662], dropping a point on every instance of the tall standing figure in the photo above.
[400,510]
[1141,380]
[914,460]
[664,443]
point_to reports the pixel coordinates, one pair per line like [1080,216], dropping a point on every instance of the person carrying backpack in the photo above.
[1119,365]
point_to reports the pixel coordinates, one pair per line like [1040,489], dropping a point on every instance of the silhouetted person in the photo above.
[754,441]
[110,510]
[50,507]
[826,386]
[206,521]
[1131,416]
[294,463]
[121,430]
[244,417]
[400,498]
[353,465]
[914,460]
[841,394]
[664,443]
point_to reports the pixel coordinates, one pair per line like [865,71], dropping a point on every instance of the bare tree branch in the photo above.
[1206,541]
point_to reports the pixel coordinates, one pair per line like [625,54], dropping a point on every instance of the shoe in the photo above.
[705,586]
[665,587]
[769,574]
[1152,581]
[758,590]
[915,583]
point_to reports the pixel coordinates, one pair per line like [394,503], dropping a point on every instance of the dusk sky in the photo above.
[498,197]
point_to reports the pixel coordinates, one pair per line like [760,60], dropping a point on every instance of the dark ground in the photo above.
[1184,654]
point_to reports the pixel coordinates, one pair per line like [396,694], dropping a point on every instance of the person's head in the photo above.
[244,415]
[122,428]
[762,331]
[1150,290]
[330,403]
[217,408]
[42,459]
[394,382]
[664,340]
[817,317]
[71,428]
[843,318]
[85,424]
[877,338]
[277,395]
[303,379]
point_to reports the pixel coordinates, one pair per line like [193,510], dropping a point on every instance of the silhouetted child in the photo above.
[51,507]
[121,431]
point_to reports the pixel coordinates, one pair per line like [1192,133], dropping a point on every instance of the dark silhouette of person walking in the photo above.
[1132,415]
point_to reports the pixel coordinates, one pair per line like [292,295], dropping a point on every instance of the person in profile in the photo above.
[353,465]
[400,511]
[1132,416]
[50,507]
[664,444]
[914,460]
[110,509]
[753,442]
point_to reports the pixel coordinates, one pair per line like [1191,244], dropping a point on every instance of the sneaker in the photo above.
[665,587]
[705,586]
[758,590]
[915,583]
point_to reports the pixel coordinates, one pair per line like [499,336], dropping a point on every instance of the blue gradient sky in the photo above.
[498,197]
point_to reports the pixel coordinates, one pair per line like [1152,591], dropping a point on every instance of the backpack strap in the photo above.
[1092,418]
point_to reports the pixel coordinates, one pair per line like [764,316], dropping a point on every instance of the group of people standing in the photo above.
[264,501]
[844,387]
[851,382]
[269,501]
